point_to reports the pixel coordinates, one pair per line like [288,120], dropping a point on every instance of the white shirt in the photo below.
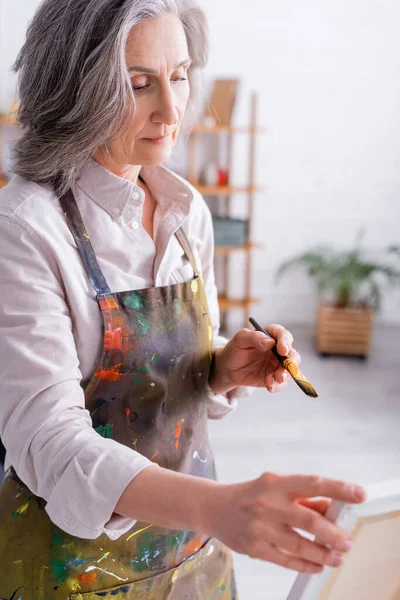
[51,330]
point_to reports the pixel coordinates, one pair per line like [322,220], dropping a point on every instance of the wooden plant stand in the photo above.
[344,330]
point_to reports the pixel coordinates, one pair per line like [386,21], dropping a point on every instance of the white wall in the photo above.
[329,81]
[14,17]
[328,75]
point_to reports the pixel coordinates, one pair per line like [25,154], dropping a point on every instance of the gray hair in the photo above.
[74,85]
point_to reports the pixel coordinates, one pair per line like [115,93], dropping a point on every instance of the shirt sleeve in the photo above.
[219,405]
[45,427]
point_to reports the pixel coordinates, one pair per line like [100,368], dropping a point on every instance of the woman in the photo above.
[111,488]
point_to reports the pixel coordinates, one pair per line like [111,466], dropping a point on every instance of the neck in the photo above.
[129,172]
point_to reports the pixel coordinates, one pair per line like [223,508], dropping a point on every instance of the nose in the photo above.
[166,112]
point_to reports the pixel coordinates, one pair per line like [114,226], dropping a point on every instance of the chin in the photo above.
[152,159]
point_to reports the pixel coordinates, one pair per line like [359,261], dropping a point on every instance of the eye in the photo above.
[140,84]
[141,88]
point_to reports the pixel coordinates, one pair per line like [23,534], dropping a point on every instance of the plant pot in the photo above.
[344,330]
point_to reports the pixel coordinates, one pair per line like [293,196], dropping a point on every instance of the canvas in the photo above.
[371,570]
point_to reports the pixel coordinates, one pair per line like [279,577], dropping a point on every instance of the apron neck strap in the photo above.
[85,248]
[184,242]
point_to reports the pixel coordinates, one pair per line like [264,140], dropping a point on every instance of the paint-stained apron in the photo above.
[149,393]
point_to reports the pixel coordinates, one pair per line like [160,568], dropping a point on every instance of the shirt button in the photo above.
[136,195]
[135,225]
[116,210]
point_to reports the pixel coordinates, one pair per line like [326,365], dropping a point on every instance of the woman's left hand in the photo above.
[247,360]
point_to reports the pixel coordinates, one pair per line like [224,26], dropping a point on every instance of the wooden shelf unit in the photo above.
[226,129]
[224,190]
[222,250]
[224,194]
[226,304]
[4,120]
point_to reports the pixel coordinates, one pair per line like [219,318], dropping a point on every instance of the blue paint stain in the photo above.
[124,589]
[163,407]
[76,562]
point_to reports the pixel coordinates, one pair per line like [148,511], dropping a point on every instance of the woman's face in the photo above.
[157,58]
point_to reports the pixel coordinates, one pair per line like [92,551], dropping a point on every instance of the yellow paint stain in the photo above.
[23,508]
[73,585]
[210,333]
[137,532]
[42,580]
[175,576]
[153,385]
[103,557]
[18,570]
[194,286]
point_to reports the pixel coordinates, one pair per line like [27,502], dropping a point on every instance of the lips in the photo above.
[159,137]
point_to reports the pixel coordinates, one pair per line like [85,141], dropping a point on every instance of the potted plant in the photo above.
[349,291]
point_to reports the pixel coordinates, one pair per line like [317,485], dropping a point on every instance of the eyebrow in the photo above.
[154,71]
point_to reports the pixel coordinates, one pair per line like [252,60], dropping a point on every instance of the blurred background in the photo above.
[298,156]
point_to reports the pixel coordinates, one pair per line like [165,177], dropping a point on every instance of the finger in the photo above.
[245,339]
[318,505]
[275,555]
[325,531]
[270,370]
[305,549]
[310,486]
[281,375]
[277,387]
[283,337]
[295,356]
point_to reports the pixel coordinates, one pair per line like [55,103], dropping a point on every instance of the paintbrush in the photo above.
[289,365]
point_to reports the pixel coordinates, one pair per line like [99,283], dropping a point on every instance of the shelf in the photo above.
[218,250]
[225,129]
[226,304]
[224,190]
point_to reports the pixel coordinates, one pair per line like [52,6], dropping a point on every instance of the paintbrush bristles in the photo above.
[307,388]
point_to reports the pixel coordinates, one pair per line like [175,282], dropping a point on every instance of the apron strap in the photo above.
[85,248]
[184,242]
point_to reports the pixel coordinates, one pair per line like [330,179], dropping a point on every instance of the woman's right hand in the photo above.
[258,518]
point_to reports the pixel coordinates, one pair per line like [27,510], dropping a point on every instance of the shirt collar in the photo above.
[113,193]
